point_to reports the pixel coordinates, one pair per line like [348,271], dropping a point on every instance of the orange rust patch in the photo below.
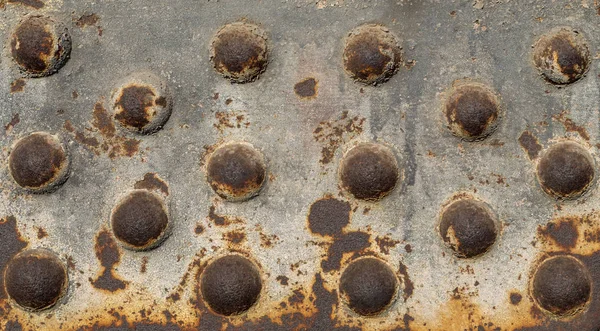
[570,126]
[235,237]
[332,134]
[42,233]
[151,182]
[17,86]
[576,234]
[103,138]
[109,255]
[220,220]
[230,120]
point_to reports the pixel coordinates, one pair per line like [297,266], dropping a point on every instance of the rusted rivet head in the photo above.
[230,285]
[40,46]
[142,103]
[562,56]
[35,279]
[368,286]
[39,162]
[468,227]
[566,170]
[236,171]
[369,171]
[239,51]
[561,285]
[372,54]
[471,110]
[140,220]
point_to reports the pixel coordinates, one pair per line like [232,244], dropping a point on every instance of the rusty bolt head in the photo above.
[566,170]
[369,171]
[561,285]
[468,227]
[35,279]
[236,171]
[40,46]
[39,162]
[372,54]
[140,220]
[368,286]
[239,51]
[562,56]
[471,110]
[230,285]
[142,103]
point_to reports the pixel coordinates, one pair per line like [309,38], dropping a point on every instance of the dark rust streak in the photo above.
[109,256]
[151,181]
[17,86]
[562,232]
[530,144]
[14,121]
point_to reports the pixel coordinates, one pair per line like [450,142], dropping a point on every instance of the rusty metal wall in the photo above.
[303,109]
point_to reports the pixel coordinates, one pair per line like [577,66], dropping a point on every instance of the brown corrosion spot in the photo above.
[386,243]
[35,279]
[562,56]
[515,298]
[36,4]
[239,51]
[199,229]
[14,121]
[102,120]
[472,111]
[230,285]
[351,242]
[11,243]
[152,182]
[140,221]
[332,134]
[89,20]
[566,170]
[369,171]
[570,125]
[468,227]
[17,86]
[328,217]
[230,120]
[561,285]
[144,266]
[234,237]
[221,220]
[530,144]
[372,54]
[409,287]
[41,234]
[563,232]
[368,286]
[40,46]
[39,162]
[283,280]
[236,171]
[306,89]
[107,252]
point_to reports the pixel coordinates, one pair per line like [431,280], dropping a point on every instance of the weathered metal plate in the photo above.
[303,113]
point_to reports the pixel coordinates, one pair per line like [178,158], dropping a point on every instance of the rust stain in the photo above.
[562,232]
[230,120]
[570,126]
[103,137]
[234,237]
[386,243]
[530,144]
[42,233]
[109,255]
[199,229]
[283,280]
[89,20]
[144,266]
[220,220]
[408,284]
[307,88]
[14,121]
[17,86]
[11,243]
[333,134]
[36,4]
[151,182]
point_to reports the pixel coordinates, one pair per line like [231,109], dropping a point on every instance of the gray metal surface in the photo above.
[443,41]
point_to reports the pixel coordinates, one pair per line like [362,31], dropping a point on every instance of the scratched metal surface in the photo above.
[443,41]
